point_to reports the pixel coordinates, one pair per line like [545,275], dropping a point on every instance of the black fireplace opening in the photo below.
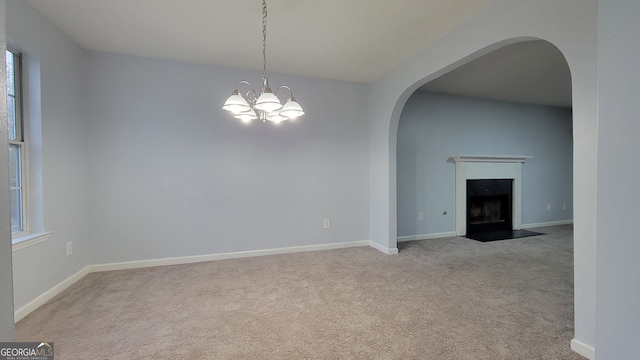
[489,205]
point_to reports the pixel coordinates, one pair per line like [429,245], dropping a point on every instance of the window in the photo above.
[17,147]
[23,97]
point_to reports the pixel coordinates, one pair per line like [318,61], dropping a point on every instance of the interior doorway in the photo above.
[514,101]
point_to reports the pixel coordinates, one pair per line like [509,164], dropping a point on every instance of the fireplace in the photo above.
[501,207]
[489,205]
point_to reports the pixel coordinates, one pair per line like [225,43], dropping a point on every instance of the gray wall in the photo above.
[6,286]
[57,145]
[172,174]
[435,126]
[618,268]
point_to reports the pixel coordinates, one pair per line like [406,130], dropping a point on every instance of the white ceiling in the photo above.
[530,72]
[353,40]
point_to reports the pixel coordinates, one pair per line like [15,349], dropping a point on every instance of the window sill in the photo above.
[24,241]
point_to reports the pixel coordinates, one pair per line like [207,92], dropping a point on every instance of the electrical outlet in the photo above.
[420,215]
[327,223]
[69,248]
[564,206]
[548,207]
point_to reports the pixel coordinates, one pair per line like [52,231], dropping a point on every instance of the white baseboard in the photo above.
[427,236]
[548,223]
[49,294]
[384,249]
[222,256]
[583,349]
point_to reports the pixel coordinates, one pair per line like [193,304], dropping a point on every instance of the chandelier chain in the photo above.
[264,39]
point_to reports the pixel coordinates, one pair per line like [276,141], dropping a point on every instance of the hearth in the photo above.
[489,205]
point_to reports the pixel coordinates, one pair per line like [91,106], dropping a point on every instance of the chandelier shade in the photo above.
[263,104]
[291,109]
[246,116]
[276,117]
[236,103]
[267,102]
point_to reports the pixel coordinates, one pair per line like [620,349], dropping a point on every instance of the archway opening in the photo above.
[514,101]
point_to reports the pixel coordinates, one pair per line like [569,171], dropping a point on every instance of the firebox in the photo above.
[489,205]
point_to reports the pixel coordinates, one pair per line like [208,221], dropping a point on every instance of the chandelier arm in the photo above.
[243,82]
[286,87]
[250,95]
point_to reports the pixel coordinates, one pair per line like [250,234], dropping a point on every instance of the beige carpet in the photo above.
[450,298]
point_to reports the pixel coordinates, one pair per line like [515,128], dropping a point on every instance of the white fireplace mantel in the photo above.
[472,167]
[490,158]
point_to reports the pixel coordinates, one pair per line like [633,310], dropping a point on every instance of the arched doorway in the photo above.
[439,121]
[514,101]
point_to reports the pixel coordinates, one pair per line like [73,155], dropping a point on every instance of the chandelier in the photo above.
[264,105]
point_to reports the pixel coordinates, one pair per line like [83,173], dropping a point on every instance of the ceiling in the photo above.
[354,40]
[533,72]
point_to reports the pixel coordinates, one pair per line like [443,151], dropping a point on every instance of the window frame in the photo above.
[19,142]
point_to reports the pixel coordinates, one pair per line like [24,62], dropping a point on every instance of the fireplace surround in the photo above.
[488,167]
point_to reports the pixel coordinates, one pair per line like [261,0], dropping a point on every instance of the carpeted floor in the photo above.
[451,298]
